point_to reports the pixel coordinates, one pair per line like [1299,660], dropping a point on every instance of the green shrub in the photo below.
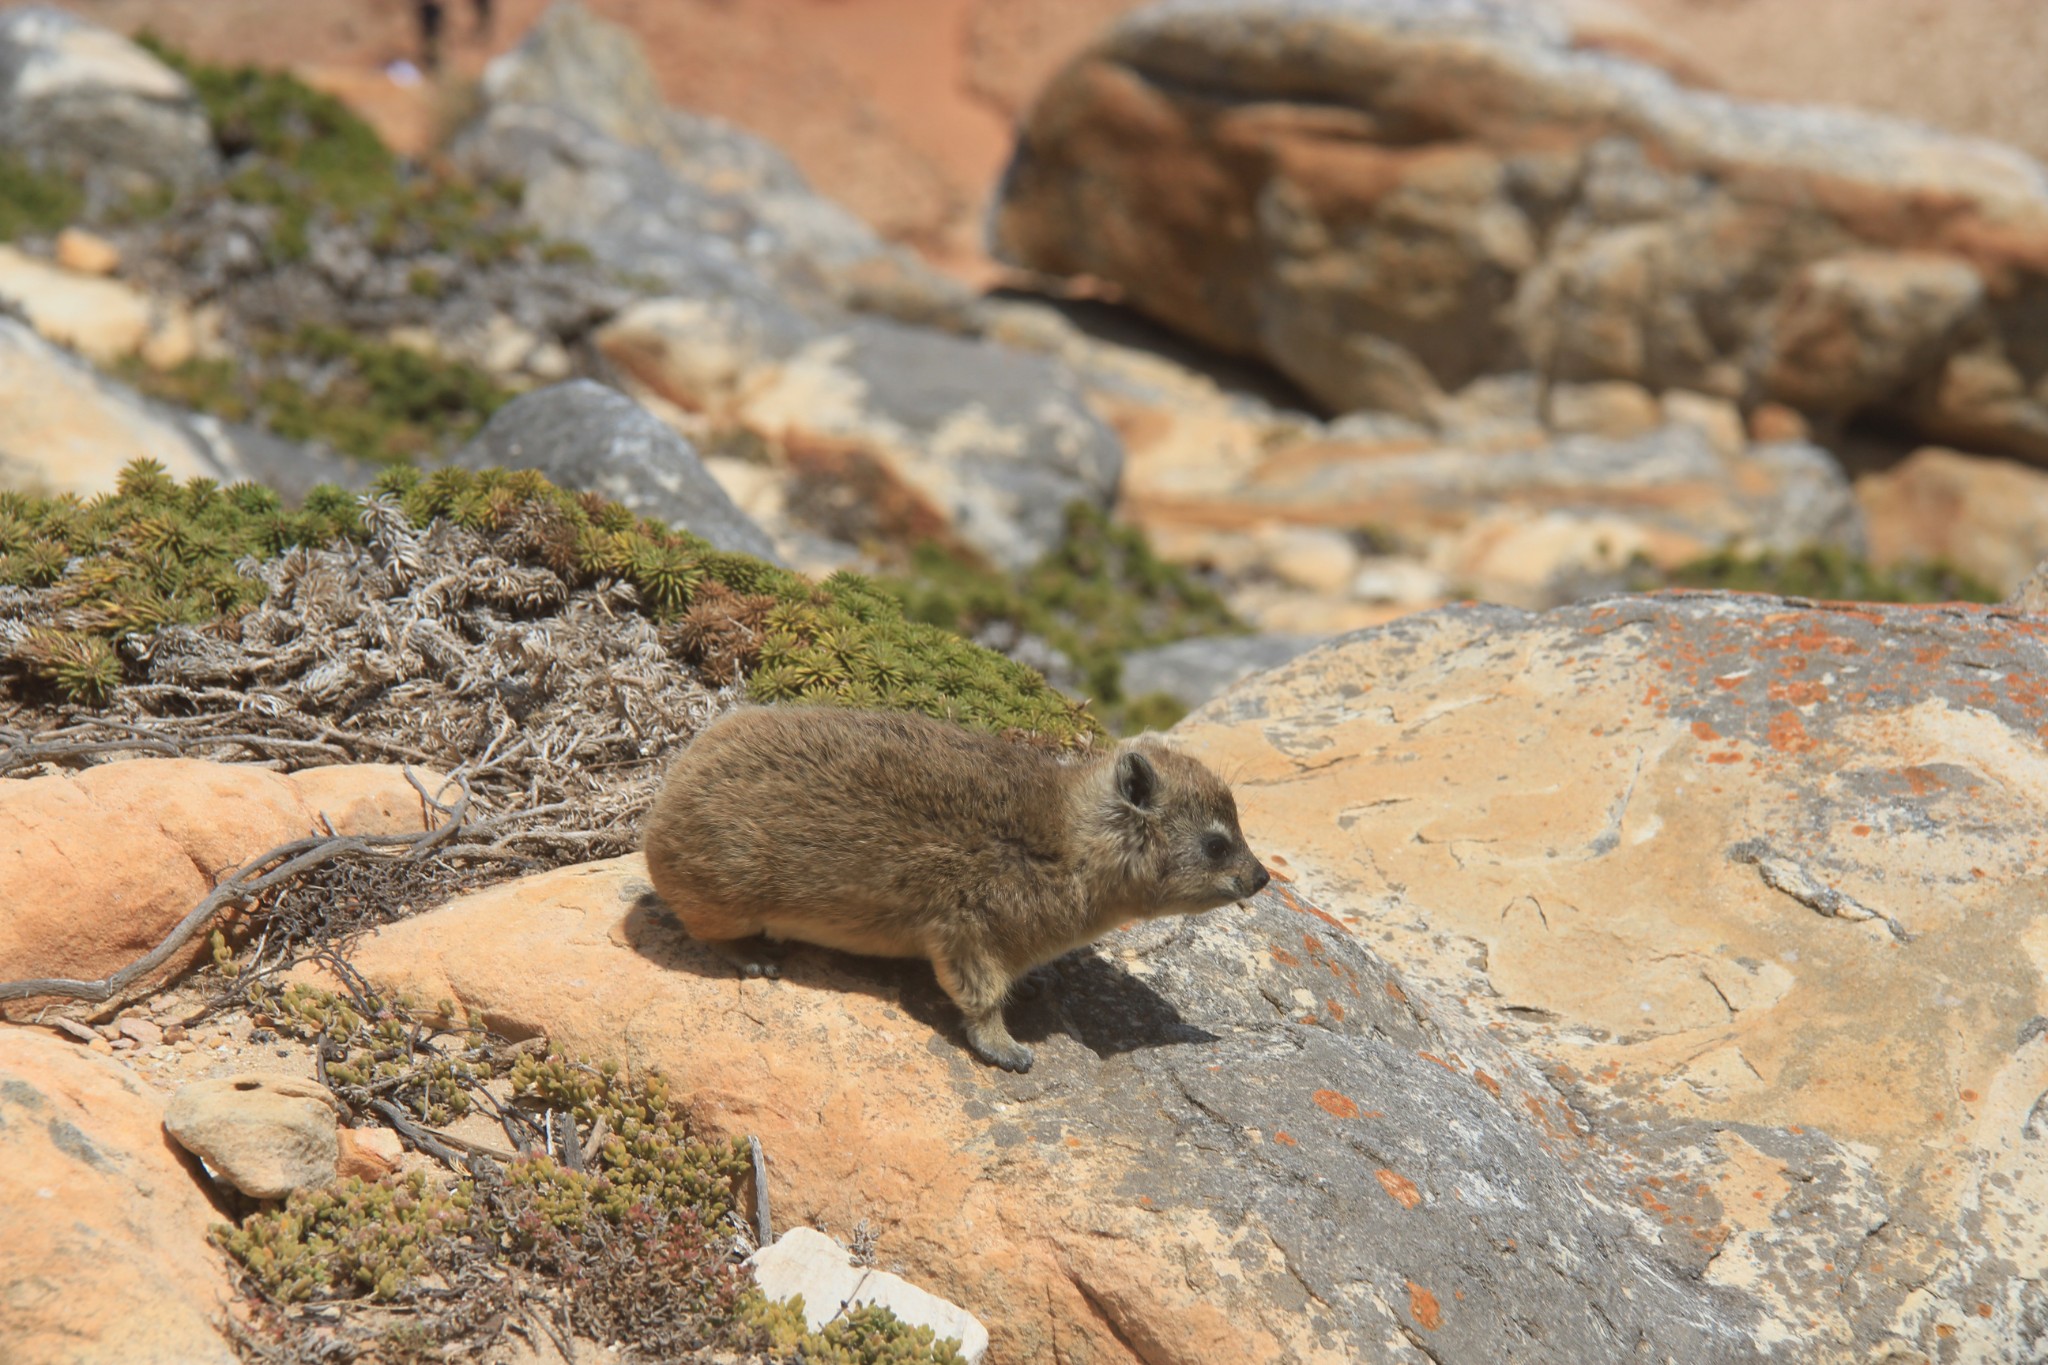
[155,553]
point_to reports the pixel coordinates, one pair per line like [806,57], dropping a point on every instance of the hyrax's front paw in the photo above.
[1003,1051]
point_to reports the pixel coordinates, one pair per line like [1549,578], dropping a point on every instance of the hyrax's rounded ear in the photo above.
[1137,781]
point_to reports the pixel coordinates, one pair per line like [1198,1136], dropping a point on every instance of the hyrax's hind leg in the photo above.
[734,938]
[978,984]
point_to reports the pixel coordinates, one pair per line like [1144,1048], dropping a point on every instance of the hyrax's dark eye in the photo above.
[1215,847]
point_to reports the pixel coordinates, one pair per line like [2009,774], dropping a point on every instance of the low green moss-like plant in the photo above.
[377,401]
[634,1237]
[34,202]
[155,553]
[353,1239]
[1826,573]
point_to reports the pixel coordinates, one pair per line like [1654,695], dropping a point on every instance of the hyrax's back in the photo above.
[854,829]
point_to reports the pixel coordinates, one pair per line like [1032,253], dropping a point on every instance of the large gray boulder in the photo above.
[1387,199]
[589,438]
[82,100]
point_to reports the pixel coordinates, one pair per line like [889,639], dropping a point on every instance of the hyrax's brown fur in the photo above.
[900,836]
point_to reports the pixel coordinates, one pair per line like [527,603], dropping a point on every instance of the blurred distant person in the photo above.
[431,14]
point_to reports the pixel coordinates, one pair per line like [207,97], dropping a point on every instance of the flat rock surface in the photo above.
[1244,1139]
[1757,881]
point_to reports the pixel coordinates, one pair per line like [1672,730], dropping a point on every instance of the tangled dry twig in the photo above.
[245,884]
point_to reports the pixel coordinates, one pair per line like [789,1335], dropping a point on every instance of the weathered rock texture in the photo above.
[65,428]
[103,1251]
[82,100]
[585,436]
[1758,882]
[97,867]
[1244,1140]
[1390,198]
[265,1135]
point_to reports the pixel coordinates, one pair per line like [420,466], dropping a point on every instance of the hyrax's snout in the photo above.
[1253,882]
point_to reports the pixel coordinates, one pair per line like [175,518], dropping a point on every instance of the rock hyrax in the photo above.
[899,836]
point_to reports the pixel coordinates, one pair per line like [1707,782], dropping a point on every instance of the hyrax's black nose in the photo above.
[1259,881]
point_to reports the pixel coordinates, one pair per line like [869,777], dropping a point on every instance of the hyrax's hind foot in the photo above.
[754,958]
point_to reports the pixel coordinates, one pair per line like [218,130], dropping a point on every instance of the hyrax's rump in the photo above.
[900,836]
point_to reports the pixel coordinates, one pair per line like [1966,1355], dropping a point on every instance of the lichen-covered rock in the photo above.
[82,100]
[97,867]
[103,1251]
[265,1135]
[1245,1138]
[1757,882]
[1389,198]
[585,436]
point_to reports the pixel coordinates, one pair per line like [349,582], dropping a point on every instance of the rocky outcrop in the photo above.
[593,439]
[265,1135]
[1246,1139]
[1755,882]
[102,1226]
[1388,199]
[883,431]
[81,100]
[97,867]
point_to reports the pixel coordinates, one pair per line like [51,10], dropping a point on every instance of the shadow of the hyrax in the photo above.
[1083,995]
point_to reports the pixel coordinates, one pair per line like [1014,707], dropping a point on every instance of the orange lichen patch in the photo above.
[1285,1138]
[1860,831]
[1073,1142]
[1788,734]
[1336,1010]
[1423,1307]
[1343,1106]
[1923,782]
[1399,1188]
[1488,1083]
[1432,1057]
[1301,907]
[1395,991]
[1799,693]
[1943,1330]
[1702,730]
[1285,958]
[1969,1096]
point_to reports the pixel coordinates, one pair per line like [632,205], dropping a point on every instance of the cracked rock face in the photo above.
[1756,882]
